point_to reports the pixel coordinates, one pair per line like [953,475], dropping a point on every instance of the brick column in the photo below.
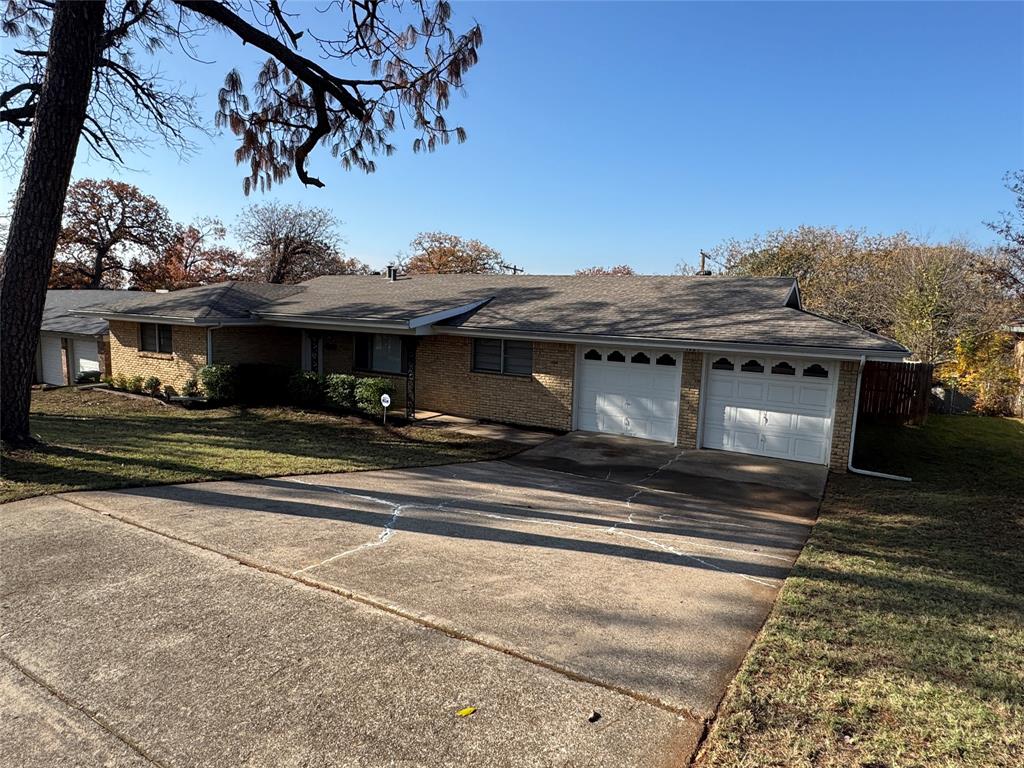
[842,422]
[689,397]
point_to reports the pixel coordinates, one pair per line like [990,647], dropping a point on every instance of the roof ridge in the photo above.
[223,288]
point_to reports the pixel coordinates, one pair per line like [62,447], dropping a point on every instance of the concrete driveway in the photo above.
[345,619]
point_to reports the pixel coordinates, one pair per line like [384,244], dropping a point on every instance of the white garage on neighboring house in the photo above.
[71,346]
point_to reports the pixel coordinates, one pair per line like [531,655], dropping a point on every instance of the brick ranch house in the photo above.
[718,362]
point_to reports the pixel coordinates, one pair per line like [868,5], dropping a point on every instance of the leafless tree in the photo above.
[292,243]
[1010,228]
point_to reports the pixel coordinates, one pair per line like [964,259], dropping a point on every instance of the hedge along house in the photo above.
[70,345]
[715,362]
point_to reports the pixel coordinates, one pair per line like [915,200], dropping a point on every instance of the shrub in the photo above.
[368,392]
[108,380]
[120,381]
[306,388]
[152,386]
[262,383]
[135,384]
[87,377]
[340,389]
[190,388]
[218,382]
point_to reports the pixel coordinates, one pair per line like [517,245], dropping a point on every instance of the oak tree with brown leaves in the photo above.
[441,253]
[80,71]
[110,228]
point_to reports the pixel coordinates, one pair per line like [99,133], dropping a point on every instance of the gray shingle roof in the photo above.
[57,317]
[207,304]
[729,310]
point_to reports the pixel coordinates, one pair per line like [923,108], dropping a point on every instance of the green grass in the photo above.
[899,638]
[93,439]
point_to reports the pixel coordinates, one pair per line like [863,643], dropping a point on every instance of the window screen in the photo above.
[154,337]
[386,355]
[518,358]
[487,355]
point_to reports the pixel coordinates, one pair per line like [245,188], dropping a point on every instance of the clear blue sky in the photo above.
[603,133]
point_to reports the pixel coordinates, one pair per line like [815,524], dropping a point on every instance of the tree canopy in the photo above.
[109,228]
[292,243]
[442,253]
[619,270]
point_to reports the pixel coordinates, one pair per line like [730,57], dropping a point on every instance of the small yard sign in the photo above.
[385,400]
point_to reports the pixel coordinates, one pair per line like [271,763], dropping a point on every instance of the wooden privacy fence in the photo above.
[896,391]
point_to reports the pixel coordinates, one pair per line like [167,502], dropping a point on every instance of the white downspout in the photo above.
[853,434]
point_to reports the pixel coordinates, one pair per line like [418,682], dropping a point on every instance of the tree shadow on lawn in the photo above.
[935,582]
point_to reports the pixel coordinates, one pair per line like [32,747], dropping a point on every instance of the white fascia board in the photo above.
[445,314]
[836,353]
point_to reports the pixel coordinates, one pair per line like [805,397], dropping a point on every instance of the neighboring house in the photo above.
[1017,329]
[70,345]
[716,362]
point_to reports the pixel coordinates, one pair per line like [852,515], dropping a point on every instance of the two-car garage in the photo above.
[780,407]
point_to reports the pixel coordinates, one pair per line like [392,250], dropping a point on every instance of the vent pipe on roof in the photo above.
[392,272]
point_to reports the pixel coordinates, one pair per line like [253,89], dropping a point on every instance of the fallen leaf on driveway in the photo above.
[466,712]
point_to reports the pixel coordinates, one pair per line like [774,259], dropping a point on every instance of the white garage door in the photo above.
[631,392]
[52,358]
[779,407]
[86,356]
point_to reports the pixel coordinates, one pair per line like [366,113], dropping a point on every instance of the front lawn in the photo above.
[94,439]
[899,638]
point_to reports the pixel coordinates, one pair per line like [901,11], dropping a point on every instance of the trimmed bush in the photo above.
[135,384]
[368,392]
[262,383]
[306,388]
[152,386]
[120,381]
[190,388]
[88,377]
[218,382]
[340,389]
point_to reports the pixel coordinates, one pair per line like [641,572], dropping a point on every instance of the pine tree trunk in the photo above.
[75,38]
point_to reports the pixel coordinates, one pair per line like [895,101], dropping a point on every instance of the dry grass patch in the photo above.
[899,638]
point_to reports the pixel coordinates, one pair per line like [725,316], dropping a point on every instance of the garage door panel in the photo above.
[721,388]
[783,414]
[86,356]
[747,442]
[629,398]
[52,358]
[746,417]
[809,450]
[781,393]
[814,396]
[750,390]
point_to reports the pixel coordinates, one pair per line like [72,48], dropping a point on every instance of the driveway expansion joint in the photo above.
[69,702]
[422,619]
